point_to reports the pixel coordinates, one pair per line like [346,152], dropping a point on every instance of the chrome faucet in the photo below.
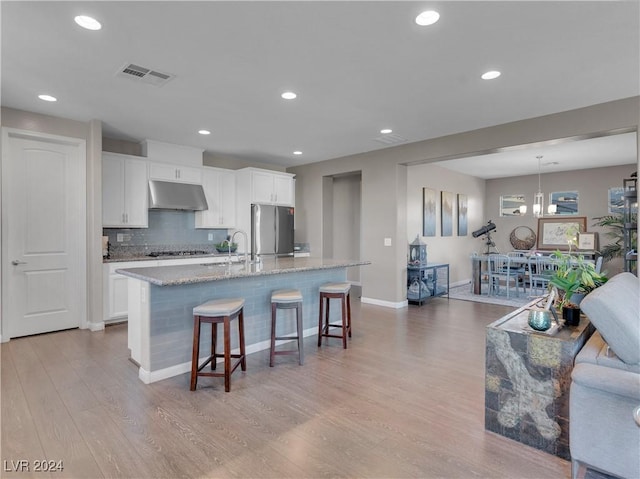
[246,245]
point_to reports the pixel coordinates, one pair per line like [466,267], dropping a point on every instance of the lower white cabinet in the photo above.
[115,286]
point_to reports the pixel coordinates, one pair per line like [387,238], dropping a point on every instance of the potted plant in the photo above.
[226,247]
[615,223]
[574,277]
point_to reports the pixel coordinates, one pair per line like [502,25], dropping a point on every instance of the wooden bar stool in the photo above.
[286,299]
[214,312]
[330,291]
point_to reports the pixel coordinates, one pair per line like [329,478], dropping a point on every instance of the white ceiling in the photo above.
[562,156]
[357,67]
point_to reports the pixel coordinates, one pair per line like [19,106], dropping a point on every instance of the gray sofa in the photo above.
[605,383]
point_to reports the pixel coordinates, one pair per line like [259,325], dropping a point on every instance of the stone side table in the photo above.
[527,379]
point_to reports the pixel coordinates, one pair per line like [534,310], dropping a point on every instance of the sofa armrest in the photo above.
[608,380]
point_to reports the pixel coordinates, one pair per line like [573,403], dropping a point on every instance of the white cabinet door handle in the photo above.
[16,262]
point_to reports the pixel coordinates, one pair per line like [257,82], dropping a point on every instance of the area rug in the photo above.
[464,293]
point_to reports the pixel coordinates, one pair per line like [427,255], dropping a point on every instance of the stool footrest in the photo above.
[292,351]
[283,338]
[233,367]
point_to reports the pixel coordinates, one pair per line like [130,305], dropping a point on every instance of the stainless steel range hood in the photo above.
[176,196]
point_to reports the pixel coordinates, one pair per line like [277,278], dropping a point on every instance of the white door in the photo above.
[43,232]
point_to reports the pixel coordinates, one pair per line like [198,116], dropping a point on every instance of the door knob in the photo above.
[16,262]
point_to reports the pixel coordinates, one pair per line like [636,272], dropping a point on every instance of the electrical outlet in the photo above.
[210,237]
[119,237]
[387,241]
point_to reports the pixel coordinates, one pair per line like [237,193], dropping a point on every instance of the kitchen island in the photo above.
[162,298]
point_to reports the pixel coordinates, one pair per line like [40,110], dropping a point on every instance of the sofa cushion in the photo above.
[614,310]
[597,351]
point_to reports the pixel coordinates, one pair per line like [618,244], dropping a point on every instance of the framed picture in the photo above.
[446,212]
[566,202]
[429,202]
[587,241]
[616,200]
[510,205]
[462,215]
[559,233]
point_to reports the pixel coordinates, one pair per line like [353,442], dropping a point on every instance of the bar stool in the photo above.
[214,312]
[286,299]
[330,291]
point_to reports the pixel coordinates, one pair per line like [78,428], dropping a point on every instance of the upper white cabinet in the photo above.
[264,186]
[124,191]
[176,173]
[220,190]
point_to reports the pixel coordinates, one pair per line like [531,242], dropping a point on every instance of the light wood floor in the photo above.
[405,400]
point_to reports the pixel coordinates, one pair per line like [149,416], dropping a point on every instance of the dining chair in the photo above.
[501,270]
[541,268]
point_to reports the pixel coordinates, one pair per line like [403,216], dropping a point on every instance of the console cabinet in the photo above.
[124,191]
[427,281]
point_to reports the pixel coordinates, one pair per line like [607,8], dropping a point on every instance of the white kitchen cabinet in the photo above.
[115,296]
[175,173]
[220,190]
[266,187]
[124,191]
[115,285]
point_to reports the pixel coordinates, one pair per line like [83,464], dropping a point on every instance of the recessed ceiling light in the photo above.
[204,132]
[386,131]
[427,18]
[297,152]
[288,95]
[87,22]
[47,98]
[491,75]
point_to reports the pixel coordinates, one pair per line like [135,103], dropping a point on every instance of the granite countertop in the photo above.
[125,259]
[199,273]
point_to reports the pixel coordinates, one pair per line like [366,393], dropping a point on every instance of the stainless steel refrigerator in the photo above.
[271,230]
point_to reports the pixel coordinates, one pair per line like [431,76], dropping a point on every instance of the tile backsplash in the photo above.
[168,229]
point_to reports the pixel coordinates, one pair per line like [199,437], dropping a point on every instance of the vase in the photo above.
[539,319]
[571,316]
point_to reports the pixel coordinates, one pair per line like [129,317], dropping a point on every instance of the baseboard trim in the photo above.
[386,304]
[96,326]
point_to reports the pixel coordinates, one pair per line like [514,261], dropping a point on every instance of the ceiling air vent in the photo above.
[390,139]
[144,75]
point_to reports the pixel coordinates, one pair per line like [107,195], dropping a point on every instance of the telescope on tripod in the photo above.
[486,231]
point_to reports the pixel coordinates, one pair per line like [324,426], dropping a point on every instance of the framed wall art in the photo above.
[462,215]
[559,233]
[446,212]
[616,200]
[429,204]
[587,241]
[566,202]
[510,205]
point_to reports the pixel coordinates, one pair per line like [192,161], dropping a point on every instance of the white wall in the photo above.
[455,249]
[346,221]
[592,185]
[384,183]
